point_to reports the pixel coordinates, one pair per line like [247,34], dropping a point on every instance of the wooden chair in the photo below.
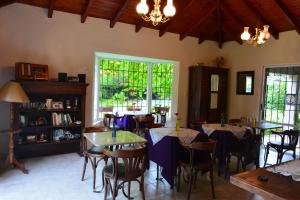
[110,119]
[143,123]
[246,150]
[288,142]
[197,123]
[193,166]
[94,154]
[131,167]
[234,121]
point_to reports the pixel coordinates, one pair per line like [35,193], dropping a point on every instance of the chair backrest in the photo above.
[142,122]
[134,160]
[208,146]
[108,119]
[234,121]
[92,129]
[293,137]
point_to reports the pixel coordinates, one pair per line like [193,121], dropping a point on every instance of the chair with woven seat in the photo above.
[203,162]
[127,165]
[288,142]
[94,154]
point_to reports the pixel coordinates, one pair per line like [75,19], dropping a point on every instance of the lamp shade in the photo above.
[13,92]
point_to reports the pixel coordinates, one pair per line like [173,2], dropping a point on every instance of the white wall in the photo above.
[67,45]
[286,50]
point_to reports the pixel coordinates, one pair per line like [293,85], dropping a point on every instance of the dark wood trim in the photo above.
[198,23]
[51,8]
[119,13]
[6,3]
[263,20]
[165,28]
[219,24]
[84,15]
[288,13]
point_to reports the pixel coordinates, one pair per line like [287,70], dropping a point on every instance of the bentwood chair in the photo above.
[197,163]
[288,142]
[143,122]
[94,154]
[127,165]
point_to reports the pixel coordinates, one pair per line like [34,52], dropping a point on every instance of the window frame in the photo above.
[150,62]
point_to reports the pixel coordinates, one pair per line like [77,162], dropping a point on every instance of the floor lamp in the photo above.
[13,93]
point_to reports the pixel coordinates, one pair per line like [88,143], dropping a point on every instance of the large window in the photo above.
[127,85]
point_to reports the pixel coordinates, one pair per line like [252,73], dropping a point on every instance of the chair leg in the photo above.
[227,166]
[129,185]
[105,189]
[238,163]
[190,185]
[211,173]
[157,172]
[114,191]
[195,179]
[84,167]
[94,173]
[142,187]
[178,178]
[266,155]
[294,154]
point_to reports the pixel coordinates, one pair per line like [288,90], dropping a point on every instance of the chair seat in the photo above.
[121,171]
[277,144]
[95,150]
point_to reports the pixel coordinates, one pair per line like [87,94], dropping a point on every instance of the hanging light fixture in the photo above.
[260,37]
[156,16]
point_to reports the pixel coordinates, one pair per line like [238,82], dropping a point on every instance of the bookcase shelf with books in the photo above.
[53,121]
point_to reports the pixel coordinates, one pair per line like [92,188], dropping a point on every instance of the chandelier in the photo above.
[260,37]
[155,15]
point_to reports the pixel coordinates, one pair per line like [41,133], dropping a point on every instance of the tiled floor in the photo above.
[58,178]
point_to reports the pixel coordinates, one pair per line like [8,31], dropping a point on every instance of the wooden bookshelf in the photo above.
[47,131]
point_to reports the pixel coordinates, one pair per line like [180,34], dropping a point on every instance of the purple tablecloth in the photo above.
[126,123]
[166,154]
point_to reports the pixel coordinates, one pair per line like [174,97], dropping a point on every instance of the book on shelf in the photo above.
[61,119]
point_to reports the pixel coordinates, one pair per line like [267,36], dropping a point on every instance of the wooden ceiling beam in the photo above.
[84,15]
[165,28]
[264,20]
[202,37]
[288,13]
[119,13]
[198,23]
[6,3]
[219,24]
[237,21]
[138,25]
[50,8]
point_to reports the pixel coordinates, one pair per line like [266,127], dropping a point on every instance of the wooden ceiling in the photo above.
[217,20]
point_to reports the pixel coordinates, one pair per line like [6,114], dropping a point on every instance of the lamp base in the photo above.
[17,164]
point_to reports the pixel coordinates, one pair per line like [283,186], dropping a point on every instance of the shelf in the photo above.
[48,110]
[52,127]
[66,141]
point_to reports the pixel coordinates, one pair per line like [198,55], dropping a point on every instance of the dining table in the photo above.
[272,182]
[164,148]
[106,139]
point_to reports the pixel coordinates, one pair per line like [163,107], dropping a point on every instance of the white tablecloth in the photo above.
[236,130]
[184,134]
[291,168]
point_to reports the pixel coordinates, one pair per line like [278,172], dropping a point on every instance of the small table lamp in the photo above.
[12,92]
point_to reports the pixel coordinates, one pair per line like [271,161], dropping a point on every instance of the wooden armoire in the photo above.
[207,94]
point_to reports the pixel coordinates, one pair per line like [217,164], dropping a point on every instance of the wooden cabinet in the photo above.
[207,94]
[53,121]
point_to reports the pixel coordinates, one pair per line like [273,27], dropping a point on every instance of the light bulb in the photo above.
[142,8]
[266,32]
[245,35]
[169,11]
